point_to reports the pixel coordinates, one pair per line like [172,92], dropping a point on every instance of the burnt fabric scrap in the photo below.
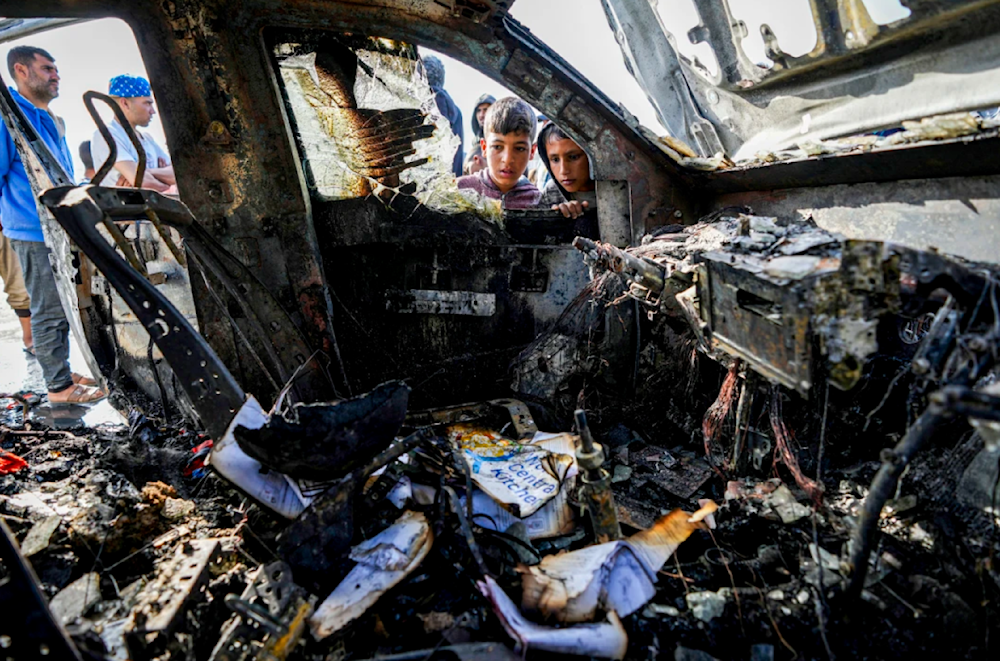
[322,441]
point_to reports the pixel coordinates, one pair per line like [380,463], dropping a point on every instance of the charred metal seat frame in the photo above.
[208,383]
[264,315]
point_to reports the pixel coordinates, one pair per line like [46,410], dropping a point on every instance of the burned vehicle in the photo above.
[746,408]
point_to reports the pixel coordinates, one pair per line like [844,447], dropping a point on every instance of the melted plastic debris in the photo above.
[939,127]
[681,153]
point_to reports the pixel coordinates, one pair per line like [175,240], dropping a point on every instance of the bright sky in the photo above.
[579,32]
[90,54]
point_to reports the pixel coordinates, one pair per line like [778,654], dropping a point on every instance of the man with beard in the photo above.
[37,79]
[477,161]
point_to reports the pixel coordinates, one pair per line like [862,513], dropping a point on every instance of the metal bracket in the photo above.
[163,600]
[212,389]
[269,620]
[109,163]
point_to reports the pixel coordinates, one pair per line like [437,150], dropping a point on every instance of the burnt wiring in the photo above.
[784,452]
[885,398]
[819,594]
[156,374]
[964,358]
[237,330]
[455,505]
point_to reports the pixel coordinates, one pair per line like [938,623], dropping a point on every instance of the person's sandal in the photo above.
[30,350]
[79,394]
[81,380]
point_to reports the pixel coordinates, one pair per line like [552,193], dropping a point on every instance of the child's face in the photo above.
[476,163]
[507,156]
[570,165]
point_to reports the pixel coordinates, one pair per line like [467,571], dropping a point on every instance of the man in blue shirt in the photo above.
[37,80]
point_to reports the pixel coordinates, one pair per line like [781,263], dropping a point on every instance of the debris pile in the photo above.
[951,126]
[730,491]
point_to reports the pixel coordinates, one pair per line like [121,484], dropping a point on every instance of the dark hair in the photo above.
[25,55]
[510,115]
[435,71]
[551,132]
[88,160]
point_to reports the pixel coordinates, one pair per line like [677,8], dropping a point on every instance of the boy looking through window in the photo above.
[571,189]
[508,143]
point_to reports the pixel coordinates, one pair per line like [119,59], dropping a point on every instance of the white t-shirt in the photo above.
[99,151]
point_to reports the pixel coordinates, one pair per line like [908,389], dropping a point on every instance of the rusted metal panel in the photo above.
[527,73]
[580,117]
[950,214]
[759,322]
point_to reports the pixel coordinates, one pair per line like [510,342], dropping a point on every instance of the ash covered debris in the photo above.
[951,126]
[746,438]
[466,529]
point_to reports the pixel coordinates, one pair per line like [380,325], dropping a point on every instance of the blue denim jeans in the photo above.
[49,326]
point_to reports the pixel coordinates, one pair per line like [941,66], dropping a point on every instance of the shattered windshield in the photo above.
[365,116]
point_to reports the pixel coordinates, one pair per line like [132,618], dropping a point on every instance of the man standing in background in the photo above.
[135,98]
[88,162]
[435,77]
[13,287]
[37,79]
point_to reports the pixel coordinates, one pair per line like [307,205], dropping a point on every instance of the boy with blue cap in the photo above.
[37,79]
[136,101]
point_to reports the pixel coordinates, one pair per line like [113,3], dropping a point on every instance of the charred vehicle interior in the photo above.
[745,408]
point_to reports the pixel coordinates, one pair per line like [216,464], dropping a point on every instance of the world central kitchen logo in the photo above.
[487,446]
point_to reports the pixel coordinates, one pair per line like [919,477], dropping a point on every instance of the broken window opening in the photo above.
[580,34]
[367,123]
[885,12]
[679,17]
[791,25]
[88,55]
